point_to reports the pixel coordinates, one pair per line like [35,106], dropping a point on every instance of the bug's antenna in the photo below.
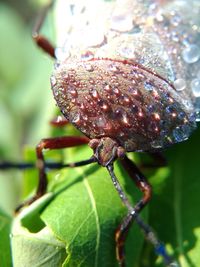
[5,165]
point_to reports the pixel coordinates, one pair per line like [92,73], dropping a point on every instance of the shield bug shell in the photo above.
[135,79]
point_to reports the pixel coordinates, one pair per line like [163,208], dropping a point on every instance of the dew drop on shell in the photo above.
[195,86]
[122,23]
[191,54]
[180,84]
[53,80]
[76,118]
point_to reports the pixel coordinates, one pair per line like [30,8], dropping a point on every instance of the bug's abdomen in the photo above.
[121,100]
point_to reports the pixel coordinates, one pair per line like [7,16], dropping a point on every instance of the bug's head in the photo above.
[106,150]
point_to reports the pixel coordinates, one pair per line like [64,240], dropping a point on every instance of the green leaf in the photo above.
[5,253]
[37,247]
[83,215]
[174,211]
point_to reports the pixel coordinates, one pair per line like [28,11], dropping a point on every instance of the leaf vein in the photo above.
[96,218]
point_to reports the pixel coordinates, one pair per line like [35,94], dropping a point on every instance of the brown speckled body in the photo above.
[121,100]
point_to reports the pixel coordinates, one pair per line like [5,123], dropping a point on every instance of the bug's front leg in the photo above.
[133,214]
[144,186]
[53,143]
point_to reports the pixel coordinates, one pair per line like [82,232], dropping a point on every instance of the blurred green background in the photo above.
[26,102]
[26,107]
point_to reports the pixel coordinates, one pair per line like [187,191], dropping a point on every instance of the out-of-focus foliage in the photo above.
[25,95]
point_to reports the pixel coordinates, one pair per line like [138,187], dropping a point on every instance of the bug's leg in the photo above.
[122,230]
[158,160]
[59,121]
[54,143]
[133,214]
[124,227]
[39,39]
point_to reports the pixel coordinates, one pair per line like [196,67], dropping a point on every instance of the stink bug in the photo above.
[130,86]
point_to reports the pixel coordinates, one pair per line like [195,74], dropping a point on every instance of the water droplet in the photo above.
[188,105]
[53,80]
[76,118]
[198,115]
[125,118]
[193,117]
[140,114]
[157,144]
[93,38]
[73,92]
[174,36]
[153,126]
[122,23]
[91,81]
[59,119]
[105,107]
[170,109]
[156,94]
[108,88]
[148,86]
[85,117]
[176,19]
[62,53]
[82,106]
[181,133]
[89,67]
[101,122]
[94,93]
[156,116]
[119,112]
[88,55]
[113,67]
[116,91]
[174,114]
[195,86]
[151,108]
[127,52]
[191,54]
[133,91]
[57,65]
[180,84]
[126,100]
[159,17]
[134,109]
[181,115]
